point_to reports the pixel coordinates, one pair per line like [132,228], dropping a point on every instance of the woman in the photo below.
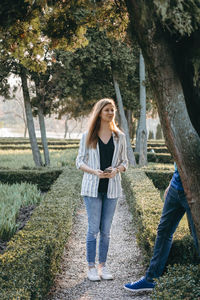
[102,157]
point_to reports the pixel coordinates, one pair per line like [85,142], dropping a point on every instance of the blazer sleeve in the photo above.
[124,159]
[82,153]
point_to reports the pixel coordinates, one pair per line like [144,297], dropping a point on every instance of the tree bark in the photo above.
[142,122]
[181,138]
[39,94]
[137,141]
[29,117]
[130,153]
[43,136]
[66,127]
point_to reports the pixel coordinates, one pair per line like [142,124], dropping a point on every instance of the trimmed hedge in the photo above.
[32,258]
[27,147]
[146,207]
[160,178]
[18,141]
[42,178]
[179,282]
[165,158]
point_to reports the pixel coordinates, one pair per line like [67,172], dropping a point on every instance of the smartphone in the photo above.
[107,170]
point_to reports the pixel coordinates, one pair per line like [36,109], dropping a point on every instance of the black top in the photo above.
[106,154]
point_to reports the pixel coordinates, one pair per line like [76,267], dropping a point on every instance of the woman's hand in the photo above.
[100,173]
[111,174]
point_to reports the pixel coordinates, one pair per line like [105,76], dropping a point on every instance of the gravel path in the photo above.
[124,260]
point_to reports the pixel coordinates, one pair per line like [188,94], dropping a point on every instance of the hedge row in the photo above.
[179,281]
[160,178]
[32,259]
[163,158]
[27,147]
[42,178]
[146,206]
[19,141]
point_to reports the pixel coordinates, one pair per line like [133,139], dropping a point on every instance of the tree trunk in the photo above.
[181,138]
[39,94]
[43,136]
[142,123]
[66,127]
[130,123]
[29,117]
[25,130]
[130,153]
[137,141]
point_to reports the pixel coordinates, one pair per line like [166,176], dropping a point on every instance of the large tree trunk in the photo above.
[181,137]
[29,117]
[43,136]
[130,153]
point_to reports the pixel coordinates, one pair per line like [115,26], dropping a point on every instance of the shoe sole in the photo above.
[106,278]
[94,279]
[139,290]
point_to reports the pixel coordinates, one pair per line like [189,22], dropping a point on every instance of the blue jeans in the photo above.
[100,211]
[174,208]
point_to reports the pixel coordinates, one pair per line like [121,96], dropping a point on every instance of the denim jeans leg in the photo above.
[108,210]
[172,213]
[184,202]
[93,207]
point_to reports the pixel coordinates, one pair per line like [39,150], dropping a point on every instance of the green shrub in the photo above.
[156,157]
[33,255]
[43,178]
[146,206]
[179,282]
[160,178]
[12,198]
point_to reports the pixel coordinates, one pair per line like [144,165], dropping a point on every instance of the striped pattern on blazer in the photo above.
[91,158]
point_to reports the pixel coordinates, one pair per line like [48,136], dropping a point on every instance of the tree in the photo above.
[165,32]
[124,123]
[142,130]
[30,124]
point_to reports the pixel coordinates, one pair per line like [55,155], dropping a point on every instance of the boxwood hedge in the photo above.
[32,258]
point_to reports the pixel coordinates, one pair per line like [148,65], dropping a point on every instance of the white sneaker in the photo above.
[105,274]
[93,274]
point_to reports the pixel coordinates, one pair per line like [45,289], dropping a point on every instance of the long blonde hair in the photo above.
[95,122]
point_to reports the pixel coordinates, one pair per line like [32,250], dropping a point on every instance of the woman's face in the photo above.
[108,113]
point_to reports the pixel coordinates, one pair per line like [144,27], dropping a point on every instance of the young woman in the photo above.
[102,157]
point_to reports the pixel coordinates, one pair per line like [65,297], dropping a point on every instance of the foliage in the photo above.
[179,282]
[13,197]
[87,75]
[43,178]
[32,258]
[146,206]
[24,158]
[179,16]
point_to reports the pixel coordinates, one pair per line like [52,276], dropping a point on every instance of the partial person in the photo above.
[174,208]
[102,157]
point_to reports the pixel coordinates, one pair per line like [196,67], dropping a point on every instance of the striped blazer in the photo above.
[91,158]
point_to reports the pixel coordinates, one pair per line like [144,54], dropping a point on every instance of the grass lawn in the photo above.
[16,159]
